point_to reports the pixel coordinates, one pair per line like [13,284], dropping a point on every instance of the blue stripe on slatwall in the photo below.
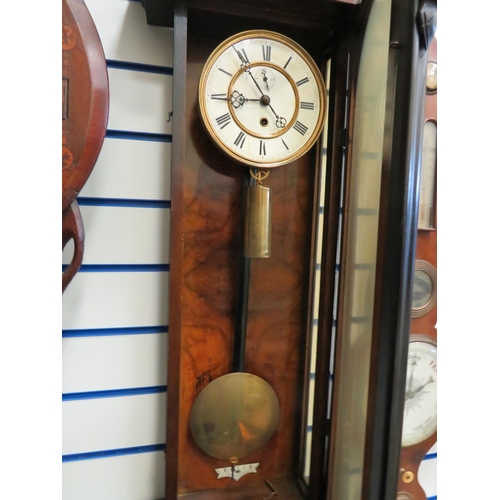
[122,202]
[113,453]
[106,332]
[138,136]
[432,498]
[145,68]
[114,393]
[121,268]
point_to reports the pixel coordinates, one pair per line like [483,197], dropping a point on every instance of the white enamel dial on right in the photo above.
[420,413]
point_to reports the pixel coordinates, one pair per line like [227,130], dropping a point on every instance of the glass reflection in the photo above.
[359,261]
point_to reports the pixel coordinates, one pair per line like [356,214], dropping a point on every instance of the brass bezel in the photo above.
[430,270]
[277,37]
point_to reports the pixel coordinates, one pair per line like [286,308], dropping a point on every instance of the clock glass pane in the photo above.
[310,384]
[354,328]
[426,212]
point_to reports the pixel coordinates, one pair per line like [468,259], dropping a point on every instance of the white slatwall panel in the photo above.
[124,235]
[114,362]
[130,477]
[126,36]
[139,101]
[427,474]
[131,169]
[111,423]
[121,299]
[115,315]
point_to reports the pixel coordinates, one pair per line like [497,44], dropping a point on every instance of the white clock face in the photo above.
[420,413]
[262,99]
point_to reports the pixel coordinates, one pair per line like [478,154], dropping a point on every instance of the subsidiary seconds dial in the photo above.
[262,99]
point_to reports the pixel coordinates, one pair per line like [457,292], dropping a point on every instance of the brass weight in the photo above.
[258,199]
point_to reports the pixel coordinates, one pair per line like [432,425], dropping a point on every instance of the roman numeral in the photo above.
[284,143]
[288,62]
[243,56]
[223,120]
[224,71]
[220,97]
[262,150]
[301,82]
[306,105]
[300,127]
[266,52]
[240,140]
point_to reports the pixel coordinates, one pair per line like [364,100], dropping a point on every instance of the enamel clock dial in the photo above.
[262,99]
[420,413]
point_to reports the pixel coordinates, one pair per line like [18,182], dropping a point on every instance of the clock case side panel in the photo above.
[190,473]
[179,23]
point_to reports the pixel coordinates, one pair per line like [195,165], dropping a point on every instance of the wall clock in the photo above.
[262,99]
[249,101]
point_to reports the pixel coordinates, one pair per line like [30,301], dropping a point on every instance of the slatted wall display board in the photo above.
[115,311]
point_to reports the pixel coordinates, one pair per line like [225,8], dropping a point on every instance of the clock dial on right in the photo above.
[420,413]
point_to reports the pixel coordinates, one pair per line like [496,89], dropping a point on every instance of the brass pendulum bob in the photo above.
[258,200]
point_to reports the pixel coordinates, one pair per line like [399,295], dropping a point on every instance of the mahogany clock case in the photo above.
[207,210]
[206,226]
